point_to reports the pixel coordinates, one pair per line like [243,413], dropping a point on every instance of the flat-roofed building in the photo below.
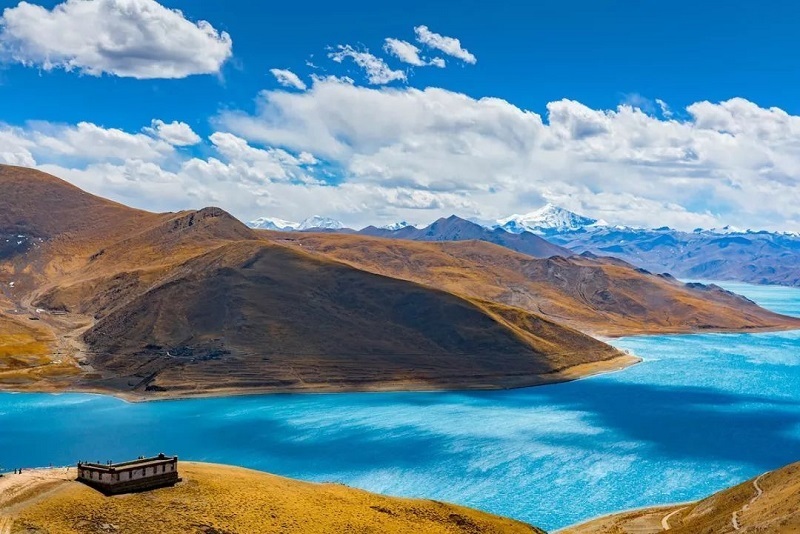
[127,477]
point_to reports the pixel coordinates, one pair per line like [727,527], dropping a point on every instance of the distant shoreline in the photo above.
[570,374]
[489,383]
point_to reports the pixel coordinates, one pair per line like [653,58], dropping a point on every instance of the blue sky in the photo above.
[592,56]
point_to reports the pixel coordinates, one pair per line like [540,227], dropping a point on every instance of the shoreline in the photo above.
[656,508]
[578,372]
[608,337]
[570,374]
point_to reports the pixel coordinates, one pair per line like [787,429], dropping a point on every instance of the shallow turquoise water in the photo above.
[701,413]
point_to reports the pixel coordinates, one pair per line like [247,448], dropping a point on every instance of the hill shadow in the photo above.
[680,422]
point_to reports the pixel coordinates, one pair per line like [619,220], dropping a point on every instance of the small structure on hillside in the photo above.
[127,477]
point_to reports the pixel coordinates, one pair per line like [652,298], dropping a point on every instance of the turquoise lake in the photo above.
[701,413]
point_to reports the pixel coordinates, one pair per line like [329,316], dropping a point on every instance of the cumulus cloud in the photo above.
[374,155]
[89,142]
[378,72]
[15,149]
[449,45]
[175,133]
[408,53]
[288,78]
[127,38]
[729,160]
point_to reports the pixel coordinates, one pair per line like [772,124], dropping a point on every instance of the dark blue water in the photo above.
[701,413]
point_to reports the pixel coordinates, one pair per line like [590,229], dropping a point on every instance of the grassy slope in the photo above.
[604,297]
[776,511]
[222,499]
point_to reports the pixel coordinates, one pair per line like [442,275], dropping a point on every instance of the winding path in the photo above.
[759,491]
[665,520]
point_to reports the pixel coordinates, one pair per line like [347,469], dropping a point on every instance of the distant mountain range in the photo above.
[457,229]
[754,257]
[726,253]
[315,222]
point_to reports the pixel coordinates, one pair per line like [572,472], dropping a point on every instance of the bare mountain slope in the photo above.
[599,295]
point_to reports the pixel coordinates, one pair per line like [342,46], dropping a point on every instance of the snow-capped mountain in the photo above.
[273,223]
[281,225]
[324,223]
[396,226]
[546,220]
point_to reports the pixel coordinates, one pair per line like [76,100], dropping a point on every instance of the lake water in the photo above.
[701,413]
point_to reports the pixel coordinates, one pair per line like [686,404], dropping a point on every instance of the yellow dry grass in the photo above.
[223,499]
[22,346]
[767,504]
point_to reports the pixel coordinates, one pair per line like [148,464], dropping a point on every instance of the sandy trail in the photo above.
[665,520]
[737,513]
[20,489]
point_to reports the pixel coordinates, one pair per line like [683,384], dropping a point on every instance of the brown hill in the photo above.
[217,499]
[195,302]
[769,503]
[43,206]
[258,316]
[603,296]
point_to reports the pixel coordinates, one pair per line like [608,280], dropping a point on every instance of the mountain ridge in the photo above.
[725,254]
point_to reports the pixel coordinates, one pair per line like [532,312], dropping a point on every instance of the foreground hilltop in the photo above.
[96,296]
[217,499]
[768,503]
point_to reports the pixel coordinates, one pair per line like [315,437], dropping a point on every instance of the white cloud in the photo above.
[378,72]
[665,109]
[408,53]
[449,45]
[288,78]
[15,149]
[404,51]
[404,153]
[89,142]
[732,160]
[175,133]
[127,38]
